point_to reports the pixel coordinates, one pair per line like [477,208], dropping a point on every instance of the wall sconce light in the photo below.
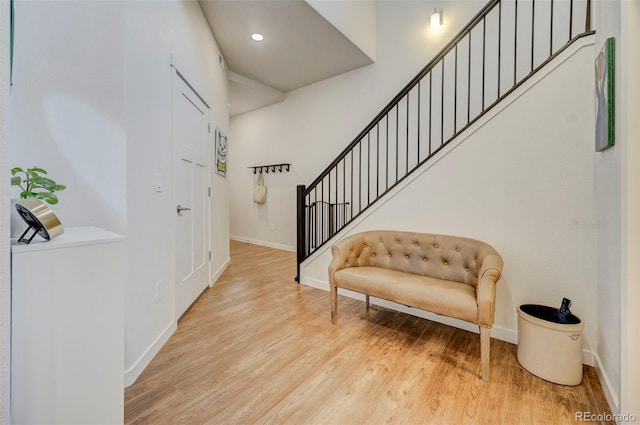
[436,19]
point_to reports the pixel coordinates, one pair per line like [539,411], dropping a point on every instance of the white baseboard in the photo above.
[219,272]
[610,393]
[263,243]
[131,374]
[497,332]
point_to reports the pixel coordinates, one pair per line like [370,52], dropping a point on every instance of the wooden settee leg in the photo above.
[485,341]
[366,300]
[333,290]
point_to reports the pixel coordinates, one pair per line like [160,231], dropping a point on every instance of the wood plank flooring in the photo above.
[257,348]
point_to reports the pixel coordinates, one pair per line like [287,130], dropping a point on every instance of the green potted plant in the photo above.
[34,185]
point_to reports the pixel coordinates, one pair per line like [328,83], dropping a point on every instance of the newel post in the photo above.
[300,228]
[587,25]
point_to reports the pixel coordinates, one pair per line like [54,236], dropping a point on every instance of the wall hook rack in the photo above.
[273,167]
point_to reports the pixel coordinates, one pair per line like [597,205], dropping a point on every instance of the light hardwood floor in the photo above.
[257,348]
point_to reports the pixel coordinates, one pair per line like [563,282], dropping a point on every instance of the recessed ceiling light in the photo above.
[257,37]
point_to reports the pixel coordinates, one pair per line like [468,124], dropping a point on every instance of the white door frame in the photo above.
[630,341]
[178,74]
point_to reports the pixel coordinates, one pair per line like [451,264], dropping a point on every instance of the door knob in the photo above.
[179,209]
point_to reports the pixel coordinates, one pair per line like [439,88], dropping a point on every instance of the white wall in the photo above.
[542,178]
[552,198]
[524,186]
[91,102]
[355,19]
[616,172]
[67,109]
[608,177]
[316,122]
[323,118]
[156,32]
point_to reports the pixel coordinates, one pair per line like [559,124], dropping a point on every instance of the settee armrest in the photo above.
[490,272]
[344,252]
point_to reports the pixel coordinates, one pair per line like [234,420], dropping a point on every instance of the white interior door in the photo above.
[192,141]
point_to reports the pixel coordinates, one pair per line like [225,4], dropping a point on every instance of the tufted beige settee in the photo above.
[447,275]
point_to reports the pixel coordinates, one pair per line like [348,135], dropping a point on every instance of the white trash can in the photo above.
[550,350]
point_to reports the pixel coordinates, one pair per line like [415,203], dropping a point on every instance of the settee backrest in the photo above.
[445,257]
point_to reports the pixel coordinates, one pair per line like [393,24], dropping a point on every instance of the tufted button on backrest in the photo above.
[440,256]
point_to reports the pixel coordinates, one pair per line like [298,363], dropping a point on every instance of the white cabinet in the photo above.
[67,329]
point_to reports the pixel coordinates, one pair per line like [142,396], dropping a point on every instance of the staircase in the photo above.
[506,43]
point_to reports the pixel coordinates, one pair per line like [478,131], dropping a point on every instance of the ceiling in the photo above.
[299,48]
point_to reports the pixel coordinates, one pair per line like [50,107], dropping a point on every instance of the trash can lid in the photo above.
[549,314]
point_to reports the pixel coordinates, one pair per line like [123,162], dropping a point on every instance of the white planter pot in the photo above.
[551,351]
